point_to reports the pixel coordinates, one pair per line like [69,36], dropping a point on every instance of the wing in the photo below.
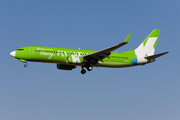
[100,55]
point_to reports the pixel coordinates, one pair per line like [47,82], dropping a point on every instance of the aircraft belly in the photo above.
[114,64]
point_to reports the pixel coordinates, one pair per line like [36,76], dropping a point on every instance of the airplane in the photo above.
[68,59]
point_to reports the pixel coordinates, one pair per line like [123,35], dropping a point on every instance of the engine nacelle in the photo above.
[65,67]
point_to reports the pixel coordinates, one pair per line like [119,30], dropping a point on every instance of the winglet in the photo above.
[128,38]
[106,52]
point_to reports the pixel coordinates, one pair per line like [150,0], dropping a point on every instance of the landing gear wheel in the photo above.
[83,71]
[25,65]
[89,68]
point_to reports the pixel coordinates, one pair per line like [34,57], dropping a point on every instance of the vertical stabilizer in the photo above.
[147,47]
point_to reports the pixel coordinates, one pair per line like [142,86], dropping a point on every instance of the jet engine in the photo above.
[65,67]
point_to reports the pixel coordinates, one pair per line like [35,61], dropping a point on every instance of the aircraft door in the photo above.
[31,50]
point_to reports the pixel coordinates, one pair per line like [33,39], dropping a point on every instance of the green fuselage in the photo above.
[60,55]
[68,59]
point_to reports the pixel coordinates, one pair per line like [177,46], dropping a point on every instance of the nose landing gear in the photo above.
[25,65]
[24,61]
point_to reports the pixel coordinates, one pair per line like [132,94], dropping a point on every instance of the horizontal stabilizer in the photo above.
[155,56]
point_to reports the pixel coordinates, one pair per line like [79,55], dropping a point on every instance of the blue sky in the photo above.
[40,91]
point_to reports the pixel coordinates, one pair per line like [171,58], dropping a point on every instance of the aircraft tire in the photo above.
[89,68]
[25,65]
[83,71]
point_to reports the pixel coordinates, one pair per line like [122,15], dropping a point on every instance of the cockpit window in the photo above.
[20,49]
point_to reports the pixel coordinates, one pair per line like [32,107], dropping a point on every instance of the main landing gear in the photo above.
[83,71]
[89,68]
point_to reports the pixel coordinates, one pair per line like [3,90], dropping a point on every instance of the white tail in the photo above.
[147,47]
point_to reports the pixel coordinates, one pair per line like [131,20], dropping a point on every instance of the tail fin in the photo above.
[147,47]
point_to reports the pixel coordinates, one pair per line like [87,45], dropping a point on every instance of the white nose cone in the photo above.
[13,53]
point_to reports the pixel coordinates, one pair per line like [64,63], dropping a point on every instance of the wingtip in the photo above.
[128,38]
[157,29]
[166,52]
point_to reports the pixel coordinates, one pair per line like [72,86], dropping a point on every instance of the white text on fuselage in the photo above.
[51,53]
